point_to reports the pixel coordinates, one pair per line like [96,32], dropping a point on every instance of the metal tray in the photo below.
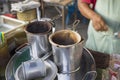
[87,64]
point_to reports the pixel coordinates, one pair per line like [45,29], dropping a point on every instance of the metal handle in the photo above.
[91,75]
[56,17]
[48,54]
[76,22]
[53,19]
[20,47]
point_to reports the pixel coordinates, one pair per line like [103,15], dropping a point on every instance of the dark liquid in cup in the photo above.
[64,39]
[38,27]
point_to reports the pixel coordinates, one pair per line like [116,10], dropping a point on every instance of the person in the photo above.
[103,26]
[104,22]
[73,9]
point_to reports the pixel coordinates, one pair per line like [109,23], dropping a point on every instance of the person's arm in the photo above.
[97,21]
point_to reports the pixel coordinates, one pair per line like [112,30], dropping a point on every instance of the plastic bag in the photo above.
[114,69]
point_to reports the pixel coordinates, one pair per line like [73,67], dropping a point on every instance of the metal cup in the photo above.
[67,50]
[37,36]
[33,69]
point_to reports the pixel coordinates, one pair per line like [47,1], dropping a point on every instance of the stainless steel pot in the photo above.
[37,35]
[67,50]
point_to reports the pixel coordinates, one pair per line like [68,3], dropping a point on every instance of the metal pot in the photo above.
[37,36]
[67,50]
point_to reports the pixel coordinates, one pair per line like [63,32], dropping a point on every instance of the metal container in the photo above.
[67,48]
[33,69]
[87,69]
[37,35]
[13,69]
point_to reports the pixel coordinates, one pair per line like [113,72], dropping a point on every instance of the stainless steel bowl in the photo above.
[23,55]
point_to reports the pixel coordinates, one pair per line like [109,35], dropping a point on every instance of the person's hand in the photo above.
[98,23]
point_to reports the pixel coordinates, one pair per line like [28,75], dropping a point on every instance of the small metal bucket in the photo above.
[33,69]
[67,50]
[37,35]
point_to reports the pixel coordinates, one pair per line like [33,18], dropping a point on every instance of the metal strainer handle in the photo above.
[75,23]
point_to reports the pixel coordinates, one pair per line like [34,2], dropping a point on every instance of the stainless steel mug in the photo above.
[37,36]
[67,50]
[33,69]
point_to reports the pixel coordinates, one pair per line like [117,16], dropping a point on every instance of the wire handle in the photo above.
[76,22]
[91,75]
